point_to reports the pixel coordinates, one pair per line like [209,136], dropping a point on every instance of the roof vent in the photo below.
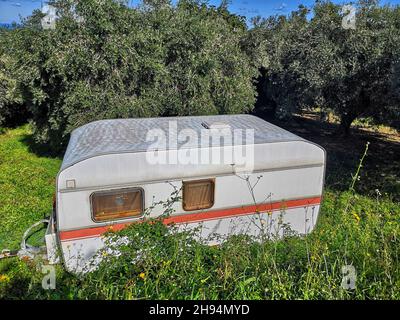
[216,126]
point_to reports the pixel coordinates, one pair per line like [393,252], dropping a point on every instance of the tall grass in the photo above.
[157,264]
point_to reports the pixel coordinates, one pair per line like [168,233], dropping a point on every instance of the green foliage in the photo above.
[11,102]
[353,68]
[106,60]
[283,41]
[317,62]
[157,264]
[119,62]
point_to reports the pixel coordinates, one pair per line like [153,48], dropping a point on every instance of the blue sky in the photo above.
[10,10]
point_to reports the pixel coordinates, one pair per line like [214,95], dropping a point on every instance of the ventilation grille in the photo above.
[216,125]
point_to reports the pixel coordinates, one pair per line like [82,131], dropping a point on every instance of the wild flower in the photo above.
[356,216]
[4,278]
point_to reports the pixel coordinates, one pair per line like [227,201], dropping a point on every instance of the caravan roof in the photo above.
[130,135]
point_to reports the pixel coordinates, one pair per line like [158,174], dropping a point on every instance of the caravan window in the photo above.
[198,194]
[117,204]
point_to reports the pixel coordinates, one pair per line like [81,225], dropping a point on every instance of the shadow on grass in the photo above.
[381,167]
[41,150]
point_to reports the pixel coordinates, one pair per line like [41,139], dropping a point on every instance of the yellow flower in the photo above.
[167,263]
[4,278]
[356,216]
[142,275]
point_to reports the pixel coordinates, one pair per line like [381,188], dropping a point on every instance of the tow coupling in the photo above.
[27,251]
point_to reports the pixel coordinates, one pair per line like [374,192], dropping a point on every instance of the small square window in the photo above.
[198,195]
[117,204]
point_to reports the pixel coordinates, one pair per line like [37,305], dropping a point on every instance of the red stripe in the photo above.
[196,217]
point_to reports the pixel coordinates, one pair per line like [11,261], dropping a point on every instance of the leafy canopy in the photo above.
[120,62]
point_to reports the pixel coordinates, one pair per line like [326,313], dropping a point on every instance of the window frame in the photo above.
[212,180]
[123,190]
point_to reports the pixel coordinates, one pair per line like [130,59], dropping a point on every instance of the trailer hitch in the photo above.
[26,251]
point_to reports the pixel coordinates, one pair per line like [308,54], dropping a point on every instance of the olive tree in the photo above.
[319,61]
[352,69]
[106,60]
[12,109]
[283,83]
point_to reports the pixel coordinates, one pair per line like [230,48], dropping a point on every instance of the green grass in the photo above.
[352,230]
[27,185]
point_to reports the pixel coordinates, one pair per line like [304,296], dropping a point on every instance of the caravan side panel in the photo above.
[287,196]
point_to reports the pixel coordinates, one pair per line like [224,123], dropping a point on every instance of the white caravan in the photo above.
[234,174]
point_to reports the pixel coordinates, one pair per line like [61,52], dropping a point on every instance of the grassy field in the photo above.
[359,228]
[27,185]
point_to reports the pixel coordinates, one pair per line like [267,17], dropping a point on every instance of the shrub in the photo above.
[12,110]
[315,62]
[119,62]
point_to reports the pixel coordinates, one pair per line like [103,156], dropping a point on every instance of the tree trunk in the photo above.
[345,124]
[356,109]
[265,106]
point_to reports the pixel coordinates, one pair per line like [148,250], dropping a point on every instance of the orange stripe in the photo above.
[195,217]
